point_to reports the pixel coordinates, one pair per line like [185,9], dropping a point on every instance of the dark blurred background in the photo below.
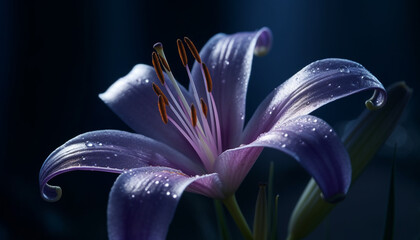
[57,56]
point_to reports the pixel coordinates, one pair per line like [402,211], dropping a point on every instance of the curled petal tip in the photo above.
[51,193]
[335,198]
[264,41]
[377,100]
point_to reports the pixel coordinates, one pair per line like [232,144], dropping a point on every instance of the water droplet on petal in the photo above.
[286,135]
[168,193]
[283,145]
[226,62]
[329,84]
[315,120]
[132,195]
[89,144]
[313,129]
[174,196]
[330,130]
[156,182]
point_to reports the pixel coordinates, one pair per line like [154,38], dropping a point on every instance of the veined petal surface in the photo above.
[229,60]
[132,98]
[109,151]
[315,85]
[142,202]
[308,139]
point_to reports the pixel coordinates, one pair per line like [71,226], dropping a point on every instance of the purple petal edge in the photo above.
[109,151]
[142,202]
[315,85]
[229,60]
[308,139]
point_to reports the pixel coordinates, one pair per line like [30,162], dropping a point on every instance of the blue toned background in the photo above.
[56,56]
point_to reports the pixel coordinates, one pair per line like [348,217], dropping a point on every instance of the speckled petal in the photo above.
[229,59]
[143,201]
[109,151]
[308,139]
[315,85]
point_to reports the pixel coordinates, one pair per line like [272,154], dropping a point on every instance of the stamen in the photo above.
[158,68]
[182,53]
[209,82]
[204,107]
[162,109]
[160,93]
[193,115]
[193,49]
[164,63]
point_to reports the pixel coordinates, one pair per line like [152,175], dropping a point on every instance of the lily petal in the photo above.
[229,59]
[142,202]
[109,151]
[315,85]
[132,98]
[308,139]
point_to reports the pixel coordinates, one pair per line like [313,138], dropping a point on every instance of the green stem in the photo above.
[236,213]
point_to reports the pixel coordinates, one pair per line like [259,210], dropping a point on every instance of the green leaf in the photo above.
[260,218]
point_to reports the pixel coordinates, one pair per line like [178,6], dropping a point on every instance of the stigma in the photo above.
[197,121]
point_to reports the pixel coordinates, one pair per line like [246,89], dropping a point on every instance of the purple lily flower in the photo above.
[195,139]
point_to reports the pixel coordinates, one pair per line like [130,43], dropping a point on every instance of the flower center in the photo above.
[197,121]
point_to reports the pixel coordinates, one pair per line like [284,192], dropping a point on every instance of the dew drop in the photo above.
[338,86]
[313,129]
[227,62]
[270,112]
[146,80]
[344,70]
[331,96]
[330,130]
[89,144]
[156,182]
[174,196]
[166,185]
[329,84]
[108,157]
[325,136]
[83,158]
[132,196]
[315,120]
[286,135]
[168,193]
[115,155]
[100,144]
[283,145]
[148,192]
